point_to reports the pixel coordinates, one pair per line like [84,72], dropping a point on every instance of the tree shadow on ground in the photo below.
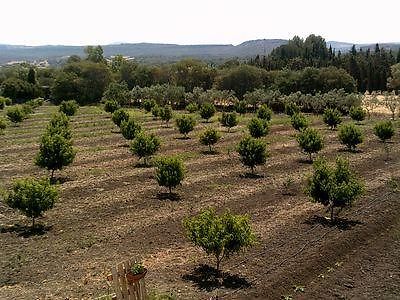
[206,278]
[350,150]
[169,196]
[60,179]
[251,175]
[183,138]
[305,161]
[208,152]
[341,223]
[25,231]
[124,145]
[141,164]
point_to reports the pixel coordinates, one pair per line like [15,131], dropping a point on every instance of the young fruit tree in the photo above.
[120,115]
[16,113]
[392,103]
[264,113]
[370,103]
[333,186]
[207,110]
[166,113]
[148,105]
[291,108]
[192,107]
[310,141]
[258,127]
[209,137]
[32,197]
[299,121]
[169,172]
[357,113]
[252,152]
[130,128]
[185,124]
[111,106]
[229,120]
[3,124]
[145,145]
[241,107]
[220,235]
[332,118]
[155,111]
[59,124]
[69,107]
[55,152]
[384,130]
[351,136]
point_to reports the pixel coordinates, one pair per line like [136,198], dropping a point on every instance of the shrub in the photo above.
[16,113]
[145,145]
[264,113]
[311,141]
[220,235]
[59,124]
[207,110]
[4,102]
[169,172]
[351,136]
[291,108]
[299,121]
[111,106]
[229,120]
[185,124]
[130,128]
[156,111]
[120,115]
[166,113]
[333,186]
[192,107]
[69,107]
[55,152]
[241,107]
[32,197]
[384,130]
[258,127]
[357,113]
[148,105]
[332,117]
[27,109]
[3,123]
[252,152]
[209,137]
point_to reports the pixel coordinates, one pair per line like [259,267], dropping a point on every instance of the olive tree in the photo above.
[220,235]
[130,128]
[310,141]
[120,115]
[351,136]
[207,110]
[145,145]
[69,107]
[209,137]
[332,118]
[169,172]
[392,102]
[258,127]
[333,186]
[252,152]
[229,120]
[264,113]
[185,124]
[32,197]
[299,121]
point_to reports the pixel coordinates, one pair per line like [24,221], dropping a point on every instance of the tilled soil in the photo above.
[111,209]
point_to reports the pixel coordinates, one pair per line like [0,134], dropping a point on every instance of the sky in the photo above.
[91,22]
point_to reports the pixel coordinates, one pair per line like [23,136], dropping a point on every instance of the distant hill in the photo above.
[152,52]
[344,47]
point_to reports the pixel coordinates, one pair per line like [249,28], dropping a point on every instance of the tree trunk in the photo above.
[52,175]
[33,222]
[332,217]
[310,157]
[170,189]
[209,147]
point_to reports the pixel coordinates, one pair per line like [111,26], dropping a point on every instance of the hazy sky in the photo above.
[85,22]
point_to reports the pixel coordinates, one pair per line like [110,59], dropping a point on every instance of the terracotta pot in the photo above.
[131,278]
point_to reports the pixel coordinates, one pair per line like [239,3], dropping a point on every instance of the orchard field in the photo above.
[111,208]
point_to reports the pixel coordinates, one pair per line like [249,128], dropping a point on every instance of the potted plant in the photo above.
[135,273]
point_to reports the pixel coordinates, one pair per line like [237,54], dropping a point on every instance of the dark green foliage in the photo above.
[3,124]
[291,108]
[207,110]
[220,235]
[31,76]
[27,109]
[166,113]
[55,152]
[16,113]
[299,121]
[156,111]
[145,145]
[130,128]
[241,107]
[118,92]
[311,141]
[169,172]
[192,107]
[264,113]
[229,120]
[333,186]
[17,89]
[185,124]
[350,135]
[59,124]
[357,113]
[69,107]
[120,115]
[252,152]
[111,106]
[384,130]
[148,105]
[4,102]
[332,117]
[258,127]
[209,137]
[32,197]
